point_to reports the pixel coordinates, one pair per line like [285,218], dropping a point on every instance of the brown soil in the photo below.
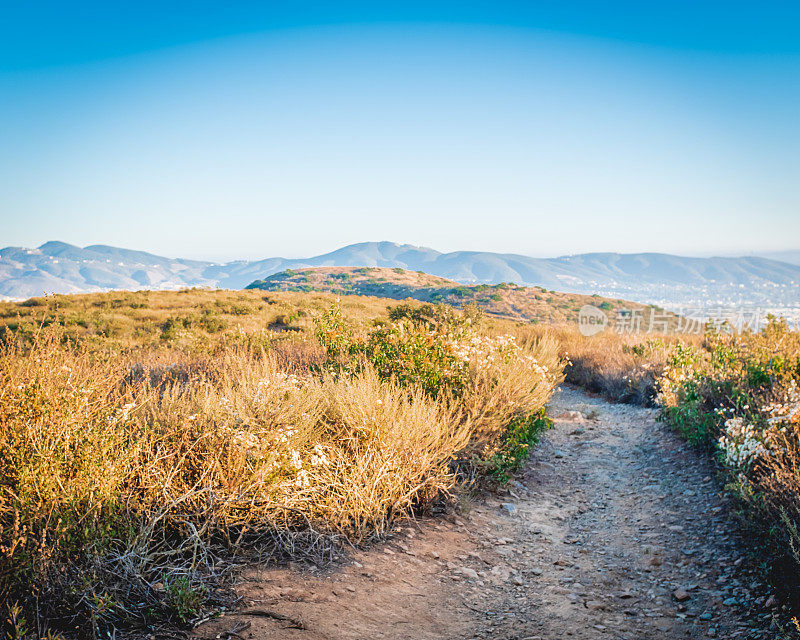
[617,530]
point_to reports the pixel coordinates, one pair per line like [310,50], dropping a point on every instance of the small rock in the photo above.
[536,571]
[771,602]
[558,454]
[680,595]
[469,573]
[595,605]
[510,508]
[730,602]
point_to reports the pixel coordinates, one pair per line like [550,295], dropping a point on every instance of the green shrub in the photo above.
[522,433]
[175,327]
[413,349]
[737,396]
[211,322]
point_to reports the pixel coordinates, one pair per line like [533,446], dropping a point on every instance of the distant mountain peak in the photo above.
[52,247]
[59,267]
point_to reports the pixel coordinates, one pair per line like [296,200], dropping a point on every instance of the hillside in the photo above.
[650,278]
[531,304]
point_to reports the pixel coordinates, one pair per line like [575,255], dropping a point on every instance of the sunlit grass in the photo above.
[132,466]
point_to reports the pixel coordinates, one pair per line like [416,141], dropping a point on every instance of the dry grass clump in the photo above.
[623,368]
[251,445]
[67,446]
[507,381]
[389,450]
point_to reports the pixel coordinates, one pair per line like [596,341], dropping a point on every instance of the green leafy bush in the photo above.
[522,433]
[737,396]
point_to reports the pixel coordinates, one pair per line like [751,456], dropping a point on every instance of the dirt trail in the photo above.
[614,530]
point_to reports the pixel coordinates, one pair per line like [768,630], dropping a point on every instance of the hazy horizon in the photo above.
[231,258]
[258,130]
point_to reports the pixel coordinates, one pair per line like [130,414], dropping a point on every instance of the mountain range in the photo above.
[668,280]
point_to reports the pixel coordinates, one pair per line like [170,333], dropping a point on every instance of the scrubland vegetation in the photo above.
[150,442]
[623,368]
[737,396]
[505,299]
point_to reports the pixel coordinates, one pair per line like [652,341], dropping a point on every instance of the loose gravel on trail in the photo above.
[615,529]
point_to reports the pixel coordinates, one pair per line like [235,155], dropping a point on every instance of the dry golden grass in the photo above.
[509,388]
[130,466]
[621,367]
[66,449]
[146,439]
[194,320]
[266,448]
[391,450]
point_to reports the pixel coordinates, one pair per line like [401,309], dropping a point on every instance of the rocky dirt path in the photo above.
[614,530]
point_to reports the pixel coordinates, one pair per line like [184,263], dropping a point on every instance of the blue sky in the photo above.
[222,130]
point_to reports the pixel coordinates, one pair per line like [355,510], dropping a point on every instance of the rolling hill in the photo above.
[504,300]
[667,280]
